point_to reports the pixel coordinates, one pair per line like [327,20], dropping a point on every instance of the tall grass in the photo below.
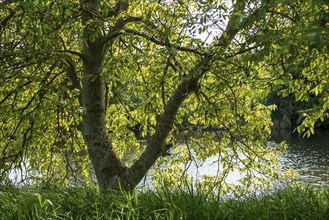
[87,203]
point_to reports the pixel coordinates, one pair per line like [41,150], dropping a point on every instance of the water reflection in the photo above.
[308,156]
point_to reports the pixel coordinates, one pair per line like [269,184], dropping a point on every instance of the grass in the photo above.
[83,203]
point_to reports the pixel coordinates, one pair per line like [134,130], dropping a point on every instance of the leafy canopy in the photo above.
[277,44]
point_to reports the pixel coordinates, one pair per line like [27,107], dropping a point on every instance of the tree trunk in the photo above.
[104,160]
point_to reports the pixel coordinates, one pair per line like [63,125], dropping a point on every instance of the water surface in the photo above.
[308,156]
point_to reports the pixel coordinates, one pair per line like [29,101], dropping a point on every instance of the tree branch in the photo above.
[5,20]
[121,5]
[162,42]
[72,74]
[121,23]
[233,25]
[283,15]
[73,53]
[157,146]
[117,29]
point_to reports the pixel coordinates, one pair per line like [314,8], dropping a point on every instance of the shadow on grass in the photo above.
[87,203]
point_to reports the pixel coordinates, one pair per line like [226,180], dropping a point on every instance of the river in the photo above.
[307,156]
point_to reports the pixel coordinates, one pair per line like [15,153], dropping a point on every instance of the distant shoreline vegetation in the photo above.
[299,202]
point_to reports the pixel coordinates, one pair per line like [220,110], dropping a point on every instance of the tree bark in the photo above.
[104,160]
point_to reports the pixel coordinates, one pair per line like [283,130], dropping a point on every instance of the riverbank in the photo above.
[81,203]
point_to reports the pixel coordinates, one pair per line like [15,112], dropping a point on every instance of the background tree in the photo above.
[298,61]
[87,80]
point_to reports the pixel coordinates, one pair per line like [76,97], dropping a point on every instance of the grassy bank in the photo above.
[79,203]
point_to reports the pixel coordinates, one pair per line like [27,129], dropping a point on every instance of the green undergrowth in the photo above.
[86,203]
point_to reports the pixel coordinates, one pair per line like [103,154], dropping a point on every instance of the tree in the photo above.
[97,76]
[303,56]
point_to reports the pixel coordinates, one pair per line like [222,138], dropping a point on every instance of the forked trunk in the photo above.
[110,171]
